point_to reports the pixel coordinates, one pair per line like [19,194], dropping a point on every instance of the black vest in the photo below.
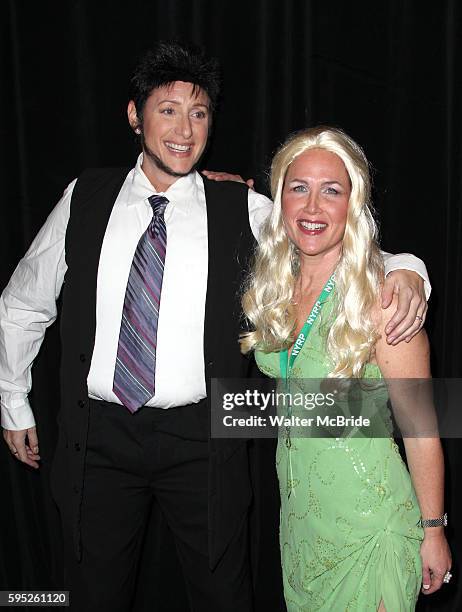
[229,244]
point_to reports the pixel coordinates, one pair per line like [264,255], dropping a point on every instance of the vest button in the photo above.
[81,404]
[82,357]
[77,446]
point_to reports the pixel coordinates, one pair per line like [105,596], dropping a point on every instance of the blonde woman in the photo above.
[350,532]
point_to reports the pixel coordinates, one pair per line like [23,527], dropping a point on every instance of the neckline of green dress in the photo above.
[312,354]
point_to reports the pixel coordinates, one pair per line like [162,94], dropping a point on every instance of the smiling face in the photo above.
[175,128]
[315,200]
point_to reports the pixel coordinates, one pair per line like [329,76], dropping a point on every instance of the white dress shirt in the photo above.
[28,304]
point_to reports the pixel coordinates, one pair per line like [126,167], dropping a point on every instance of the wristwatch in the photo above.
[438,522]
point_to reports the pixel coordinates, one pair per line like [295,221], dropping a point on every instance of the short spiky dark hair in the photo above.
[172,61]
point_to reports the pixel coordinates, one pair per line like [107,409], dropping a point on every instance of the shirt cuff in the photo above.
[16,412]
[406,261]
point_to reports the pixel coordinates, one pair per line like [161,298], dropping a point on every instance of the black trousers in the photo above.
[131,459]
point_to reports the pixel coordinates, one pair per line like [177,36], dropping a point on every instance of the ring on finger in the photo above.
[447,577]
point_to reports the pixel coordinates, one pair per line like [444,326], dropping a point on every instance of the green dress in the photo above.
[348,530]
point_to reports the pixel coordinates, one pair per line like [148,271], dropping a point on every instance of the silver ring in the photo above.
[447,577]
[418,317]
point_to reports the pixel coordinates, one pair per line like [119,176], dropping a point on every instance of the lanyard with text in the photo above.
[287,364]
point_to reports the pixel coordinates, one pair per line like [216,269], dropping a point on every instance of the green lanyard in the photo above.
[287,364]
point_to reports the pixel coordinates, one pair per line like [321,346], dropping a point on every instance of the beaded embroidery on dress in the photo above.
[348,535]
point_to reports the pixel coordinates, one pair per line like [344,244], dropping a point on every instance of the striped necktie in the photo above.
[136,352]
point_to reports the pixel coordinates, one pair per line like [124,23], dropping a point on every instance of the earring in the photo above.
[294,259]
[137,130]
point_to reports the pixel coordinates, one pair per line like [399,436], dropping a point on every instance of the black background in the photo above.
[387,71]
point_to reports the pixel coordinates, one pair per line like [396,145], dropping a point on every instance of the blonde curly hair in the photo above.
[269,288]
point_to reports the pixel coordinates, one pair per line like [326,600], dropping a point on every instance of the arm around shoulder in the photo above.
[260,208]
[407,261]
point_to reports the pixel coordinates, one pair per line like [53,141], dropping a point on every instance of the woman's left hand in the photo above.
[436,561]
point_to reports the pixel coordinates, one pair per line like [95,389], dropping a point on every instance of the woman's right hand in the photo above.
[436,559]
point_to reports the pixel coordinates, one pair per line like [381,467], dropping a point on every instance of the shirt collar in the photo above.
[181,194]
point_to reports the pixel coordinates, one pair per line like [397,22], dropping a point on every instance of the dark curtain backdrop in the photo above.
[386,71]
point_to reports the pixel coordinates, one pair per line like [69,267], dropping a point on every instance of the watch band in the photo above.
[442,521]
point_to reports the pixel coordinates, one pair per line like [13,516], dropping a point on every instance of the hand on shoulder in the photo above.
[227,176]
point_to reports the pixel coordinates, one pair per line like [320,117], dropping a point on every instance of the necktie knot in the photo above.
[158,204]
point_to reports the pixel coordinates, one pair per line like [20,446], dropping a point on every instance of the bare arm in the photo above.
[424,454]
